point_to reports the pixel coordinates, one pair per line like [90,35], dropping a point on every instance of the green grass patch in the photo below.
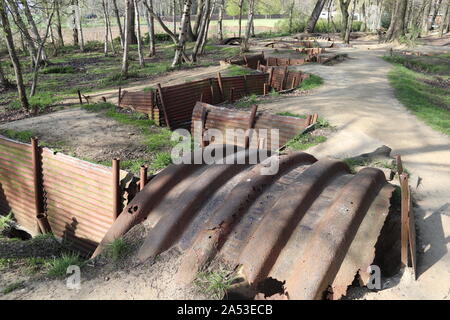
[34,265]
[290,114]
[427,102]
[13,287]
[162,160]
[40,101]
[429,64]
[247,102]
[58,69]
[215,283]
[6,263]
[235,70]
[22,136]
[58,266]
[310,83]
[304,141]
[117,249]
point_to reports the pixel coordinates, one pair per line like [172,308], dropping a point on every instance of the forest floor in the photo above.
[359,101]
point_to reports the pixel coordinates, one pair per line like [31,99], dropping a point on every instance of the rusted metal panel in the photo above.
[17,190]
[299,226]
[80,201]
[223,118]
[143,102]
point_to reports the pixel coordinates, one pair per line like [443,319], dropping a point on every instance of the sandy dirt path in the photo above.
[171,78]
[359,101]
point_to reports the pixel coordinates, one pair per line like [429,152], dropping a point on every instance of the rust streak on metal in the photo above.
[116,187]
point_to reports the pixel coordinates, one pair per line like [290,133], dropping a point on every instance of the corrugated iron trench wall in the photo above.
[173,105]
[206,117]
[77,196]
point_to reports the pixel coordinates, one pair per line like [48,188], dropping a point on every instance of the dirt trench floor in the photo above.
[358,100]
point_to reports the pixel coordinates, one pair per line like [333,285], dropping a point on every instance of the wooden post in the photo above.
[163,105]
[266,89]
[405,207]
[116,187]
[143,177]
[271,77]
[120,96]
[245,85]
[231,95]
[79,96]
[399,165]
[251,125]
[37,181]
[219,80]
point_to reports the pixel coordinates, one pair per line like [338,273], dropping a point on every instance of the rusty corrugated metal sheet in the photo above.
[143,102]
[79,199]
[16,183]
[300,227]
[222,118]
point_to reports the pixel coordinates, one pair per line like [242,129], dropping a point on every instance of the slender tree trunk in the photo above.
[15,14]
[198,18]
[108,24]
[426,17]
[445,20]
[241,7]
[174,16]
[126,42]
[138,21]
[291,15]
[205,34]
[201,30]
[59,24]
[105,13]
[79,26]
[251,13]
[344,4]
[179,52]
[348,31]
[132,38]
[437,7]
[220,20]
[151,29]
[119,23]
[13,55]
[315,15]
[39,54]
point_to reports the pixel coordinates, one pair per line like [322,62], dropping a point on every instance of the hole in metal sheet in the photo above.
[271,286]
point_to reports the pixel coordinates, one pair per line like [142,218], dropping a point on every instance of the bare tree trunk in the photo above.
[79,26]
[119,23]
[315,15]
[201,30]
[13,55]
[73,15]
[205,34]
[108,23]
[291,15]
[138,21]
[348,31]
[132,39]
[179,52]
[397,27]
[59,24]
[241,6]
[105,13]
[445,20]
[15,14]
[426,17]
[174,16]
[251,13]
[344,4]
[437,7]
[126,42]
[198,21]
[151,29]
[220,20]
[39,54]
